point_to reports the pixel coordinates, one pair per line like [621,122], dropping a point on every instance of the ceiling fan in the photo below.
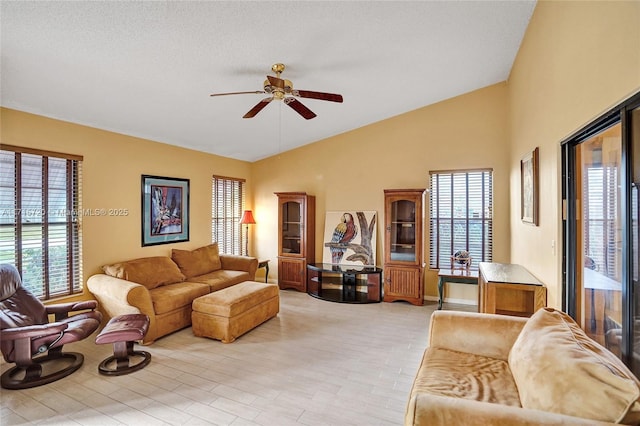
[282,90]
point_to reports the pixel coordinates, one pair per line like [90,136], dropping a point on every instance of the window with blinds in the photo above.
[461,216]
[226,210]
[40,228]
[601,188]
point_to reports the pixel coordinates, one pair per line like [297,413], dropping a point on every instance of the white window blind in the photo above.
[600,218]
[40,228]
[226,210]
[461,216]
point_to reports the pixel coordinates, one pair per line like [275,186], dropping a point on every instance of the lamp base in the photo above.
[246,241]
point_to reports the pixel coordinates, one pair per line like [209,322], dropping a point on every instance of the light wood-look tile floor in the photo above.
[316,363]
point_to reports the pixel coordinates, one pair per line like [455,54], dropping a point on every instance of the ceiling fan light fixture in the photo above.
[279,88]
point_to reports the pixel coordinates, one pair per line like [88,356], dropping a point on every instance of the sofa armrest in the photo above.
[488,335]
[240,263]
[427,409]
[120,297]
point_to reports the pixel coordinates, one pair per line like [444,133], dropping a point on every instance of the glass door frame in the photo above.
[619,114]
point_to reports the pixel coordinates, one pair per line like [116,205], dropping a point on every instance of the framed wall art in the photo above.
[350,238]
[529,187]
[165,210]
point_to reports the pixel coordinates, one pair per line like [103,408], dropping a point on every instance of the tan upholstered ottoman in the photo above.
[229,313]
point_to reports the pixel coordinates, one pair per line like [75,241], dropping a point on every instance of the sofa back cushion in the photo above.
[558,368]
[197,262]
[151,272]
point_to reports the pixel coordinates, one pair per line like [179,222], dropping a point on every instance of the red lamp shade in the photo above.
[247,218]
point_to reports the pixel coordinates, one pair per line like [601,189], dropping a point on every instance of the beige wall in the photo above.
[112,169]
[351,170]
[577,60]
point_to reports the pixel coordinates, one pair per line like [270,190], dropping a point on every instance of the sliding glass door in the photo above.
[632,121]
[599,236]
[601,243]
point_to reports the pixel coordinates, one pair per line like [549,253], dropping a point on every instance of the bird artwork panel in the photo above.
[350,238]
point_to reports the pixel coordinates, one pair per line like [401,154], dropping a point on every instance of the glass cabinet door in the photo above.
[403,231]
[291,227]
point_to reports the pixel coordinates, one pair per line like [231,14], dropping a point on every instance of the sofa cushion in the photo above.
[151,272]
[199,261]
[558,368]
[222,278]
[455,374]
[174,296]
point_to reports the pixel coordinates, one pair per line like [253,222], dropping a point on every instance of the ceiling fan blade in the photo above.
[255,92]
[300,108]
[275,81]
[317,95]
[256,109]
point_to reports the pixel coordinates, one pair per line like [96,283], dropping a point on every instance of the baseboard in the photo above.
[450,300]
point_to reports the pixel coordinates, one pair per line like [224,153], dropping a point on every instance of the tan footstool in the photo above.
[229,313]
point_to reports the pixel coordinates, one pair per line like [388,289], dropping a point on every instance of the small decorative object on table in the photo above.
[461,258]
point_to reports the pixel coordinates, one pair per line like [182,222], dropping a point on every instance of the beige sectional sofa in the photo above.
[484,369]
[164,287]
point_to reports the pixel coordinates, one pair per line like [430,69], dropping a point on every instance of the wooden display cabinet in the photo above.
[296,238]
[404,245]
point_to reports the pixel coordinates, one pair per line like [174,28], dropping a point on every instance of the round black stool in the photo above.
[123,331]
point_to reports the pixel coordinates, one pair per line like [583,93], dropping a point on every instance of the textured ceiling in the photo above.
[147,68]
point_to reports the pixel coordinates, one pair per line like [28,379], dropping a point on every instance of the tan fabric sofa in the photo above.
[163,287]
[483,369]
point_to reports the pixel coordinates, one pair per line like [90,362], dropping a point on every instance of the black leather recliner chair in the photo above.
[34,344]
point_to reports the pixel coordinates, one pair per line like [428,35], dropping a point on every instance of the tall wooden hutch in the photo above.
[296,238]
[404,245]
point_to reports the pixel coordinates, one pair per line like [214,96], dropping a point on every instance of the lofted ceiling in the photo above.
[147,68]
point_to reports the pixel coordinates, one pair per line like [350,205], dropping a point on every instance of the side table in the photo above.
[462,276]
[509,289]
[264,264]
